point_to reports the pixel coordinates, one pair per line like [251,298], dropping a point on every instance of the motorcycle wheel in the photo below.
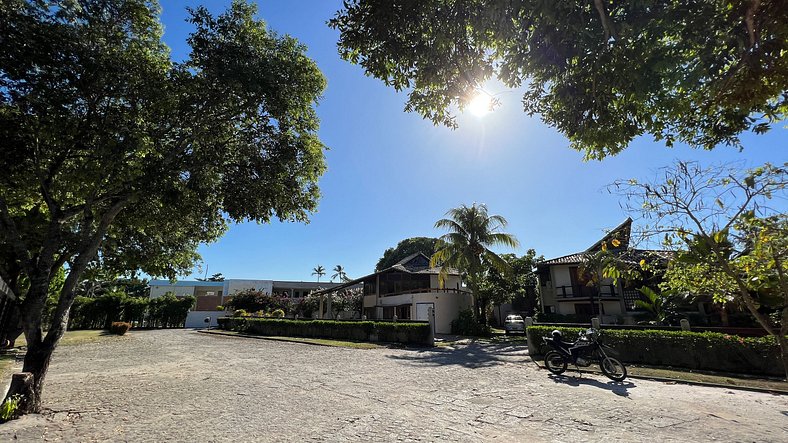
[613,369]
[555,363]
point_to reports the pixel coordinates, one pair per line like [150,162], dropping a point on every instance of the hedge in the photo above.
[693,350]
[397,332]
[167,311]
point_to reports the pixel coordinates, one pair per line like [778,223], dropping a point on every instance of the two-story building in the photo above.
[567,287]
[408,289]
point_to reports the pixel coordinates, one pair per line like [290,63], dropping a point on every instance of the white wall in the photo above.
[447,306]
[450,282]
[196,319]
[180,291]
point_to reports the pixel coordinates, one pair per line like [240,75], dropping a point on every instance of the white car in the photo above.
[513,323]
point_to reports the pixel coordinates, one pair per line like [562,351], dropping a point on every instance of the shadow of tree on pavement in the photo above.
[472,355]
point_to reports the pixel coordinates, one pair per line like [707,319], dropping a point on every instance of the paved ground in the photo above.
[183,386]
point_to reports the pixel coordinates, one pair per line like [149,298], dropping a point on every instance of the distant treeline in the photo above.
[167,311]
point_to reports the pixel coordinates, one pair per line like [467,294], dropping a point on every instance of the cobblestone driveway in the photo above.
[183,386]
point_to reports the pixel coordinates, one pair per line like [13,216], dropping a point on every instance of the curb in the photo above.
[261,337]
[288,340]
[688,382]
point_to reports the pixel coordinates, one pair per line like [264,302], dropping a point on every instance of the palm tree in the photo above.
[472,231]
[319,271]
[339,271]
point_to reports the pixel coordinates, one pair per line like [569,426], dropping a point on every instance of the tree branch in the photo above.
[87,252]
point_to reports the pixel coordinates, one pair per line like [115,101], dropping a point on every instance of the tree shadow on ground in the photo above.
[472,355]
[619,388]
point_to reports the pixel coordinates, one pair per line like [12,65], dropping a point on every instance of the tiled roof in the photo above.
[185,283]
[399,268]
[629,255]
[411,257]
[565,260]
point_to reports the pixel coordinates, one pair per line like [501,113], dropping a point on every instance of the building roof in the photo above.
[411,264]
[565,260]
[185,283]
[301,284]
[277,283]
[621,233]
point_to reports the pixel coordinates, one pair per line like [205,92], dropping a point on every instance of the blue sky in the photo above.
[391,175]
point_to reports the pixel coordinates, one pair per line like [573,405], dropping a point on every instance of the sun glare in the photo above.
[480,105]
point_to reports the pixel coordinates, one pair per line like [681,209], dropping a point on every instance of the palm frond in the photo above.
[450,225]
[501,222]
[500,238]
[497,262]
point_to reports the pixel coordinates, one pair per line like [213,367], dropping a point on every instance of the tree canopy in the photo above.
[520,284]
[409,246]
[113,153]
[730,233]
[602,73]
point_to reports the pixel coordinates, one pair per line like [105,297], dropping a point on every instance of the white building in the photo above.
[211,294]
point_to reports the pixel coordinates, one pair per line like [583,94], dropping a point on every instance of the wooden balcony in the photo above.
[585,292]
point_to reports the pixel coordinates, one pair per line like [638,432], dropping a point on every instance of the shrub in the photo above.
[693,350]
[239,312]
[401,332]
[9,408]
[467,324]
[220,308]
[278,313]
[119,327]
[252,300]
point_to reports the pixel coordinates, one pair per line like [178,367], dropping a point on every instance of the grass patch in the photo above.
[679,376]
[311,341]
[80,337]
[518,339]
[73,337]
[706,377]
[328,342]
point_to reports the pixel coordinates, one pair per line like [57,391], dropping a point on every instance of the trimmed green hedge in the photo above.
[397,332]
[694,350]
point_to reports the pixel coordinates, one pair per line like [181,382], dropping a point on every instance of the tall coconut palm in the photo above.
[472,232]
[319,271]
[339,272]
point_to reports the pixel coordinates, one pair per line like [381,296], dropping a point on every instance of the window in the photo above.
[403,312]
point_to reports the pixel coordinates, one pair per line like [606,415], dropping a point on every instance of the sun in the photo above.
[480,105]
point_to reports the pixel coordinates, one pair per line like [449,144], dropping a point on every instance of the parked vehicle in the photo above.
[588,349]
[513,323]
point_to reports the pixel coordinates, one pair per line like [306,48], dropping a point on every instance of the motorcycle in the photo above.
[587,350]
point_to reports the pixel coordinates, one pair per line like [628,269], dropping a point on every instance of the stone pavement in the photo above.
[178,385]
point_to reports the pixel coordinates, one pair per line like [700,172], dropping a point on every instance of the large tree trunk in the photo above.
[36,363]
[784,353]
[40,347]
